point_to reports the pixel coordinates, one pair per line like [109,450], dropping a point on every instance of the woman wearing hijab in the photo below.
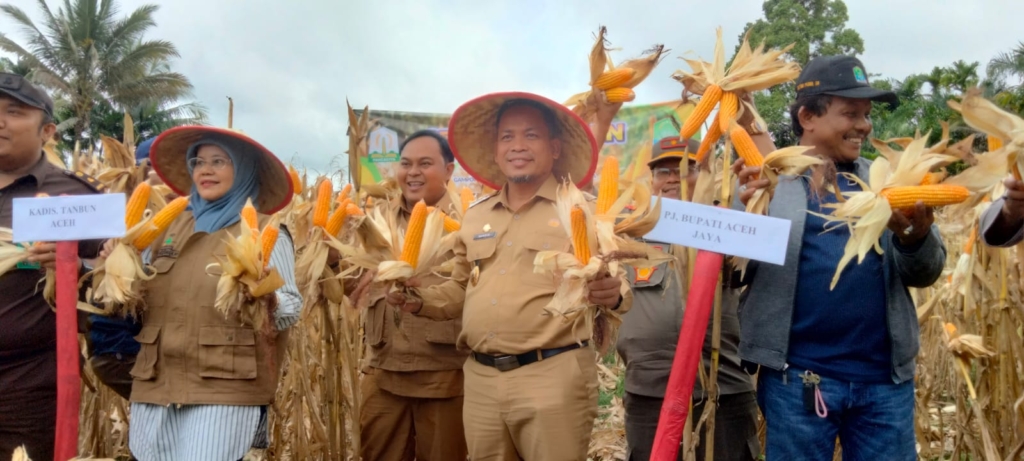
[202,381]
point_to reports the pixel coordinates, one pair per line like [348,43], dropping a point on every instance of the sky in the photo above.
[291,65]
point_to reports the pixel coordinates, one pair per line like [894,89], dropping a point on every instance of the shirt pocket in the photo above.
[227,352]
[536,242]
[145,362]
[446,332]
[375,318]
[480,250]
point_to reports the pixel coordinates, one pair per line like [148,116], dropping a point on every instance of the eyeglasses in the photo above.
[666,172]
[218,163]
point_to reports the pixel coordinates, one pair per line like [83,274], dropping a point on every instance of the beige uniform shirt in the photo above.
[417,358]
[503,312]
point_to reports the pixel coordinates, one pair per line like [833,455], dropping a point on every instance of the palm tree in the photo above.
[1007,71]
[86,54]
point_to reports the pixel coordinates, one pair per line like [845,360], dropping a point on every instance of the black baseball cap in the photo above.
[840,76]
[21,89]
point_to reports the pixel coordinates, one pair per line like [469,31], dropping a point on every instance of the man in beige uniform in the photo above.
[412,391]
[531,388]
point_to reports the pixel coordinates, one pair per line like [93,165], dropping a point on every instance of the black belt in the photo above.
[511,362]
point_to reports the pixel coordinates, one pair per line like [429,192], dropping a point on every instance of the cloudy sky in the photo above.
[290,65]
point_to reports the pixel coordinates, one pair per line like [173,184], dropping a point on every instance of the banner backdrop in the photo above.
[630,138]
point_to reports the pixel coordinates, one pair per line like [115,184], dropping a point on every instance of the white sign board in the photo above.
[69,217]
[722,230]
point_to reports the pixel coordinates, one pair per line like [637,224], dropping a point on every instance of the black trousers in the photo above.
[735,427]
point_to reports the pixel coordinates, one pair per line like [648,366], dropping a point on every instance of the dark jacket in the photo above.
[766,308]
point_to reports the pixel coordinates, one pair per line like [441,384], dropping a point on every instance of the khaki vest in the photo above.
[418,343]
[192,354]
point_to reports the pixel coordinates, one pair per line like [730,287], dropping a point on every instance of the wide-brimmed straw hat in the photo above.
[673,147]
[167,156]
[473,133]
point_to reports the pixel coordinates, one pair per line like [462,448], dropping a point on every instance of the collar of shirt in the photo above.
[444,205]
[548,191]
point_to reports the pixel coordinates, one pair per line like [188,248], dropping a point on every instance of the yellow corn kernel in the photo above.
[161,221]
[323,203]
[580,242]
[710,138]
[267,240]
[931,178]
[994,143]
[249,216]
[614,78]
[727,109]
[414,234]
[608,186]
[466,194]
[950,329]
[337,219]
[296,181]
[617,95]
[353,210]
[745,147]
[712,95]
[137,204]
[934,195]
[451,225]
[969,246]
[344,193]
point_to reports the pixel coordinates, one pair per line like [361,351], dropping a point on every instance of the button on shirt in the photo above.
[503,312]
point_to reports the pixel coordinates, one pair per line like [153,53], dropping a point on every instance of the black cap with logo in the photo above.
[18,88]
[840,76]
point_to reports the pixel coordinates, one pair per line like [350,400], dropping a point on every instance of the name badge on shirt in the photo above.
[485,235]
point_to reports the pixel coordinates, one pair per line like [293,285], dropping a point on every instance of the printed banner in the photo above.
[630,138]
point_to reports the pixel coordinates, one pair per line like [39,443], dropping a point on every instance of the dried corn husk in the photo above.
[983,115]
[245,286]
[867,212]
[358,143]
[752,69]
[608,251]
[114,279]
[586,104]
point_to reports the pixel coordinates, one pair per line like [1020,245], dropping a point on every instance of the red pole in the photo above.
[68,378]
[688,352]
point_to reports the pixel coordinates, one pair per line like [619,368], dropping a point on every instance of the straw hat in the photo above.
[167,156]
[673,147]
[473,132]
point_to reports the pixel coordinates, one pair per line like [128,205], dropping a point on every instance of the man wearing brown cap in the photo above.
[531,380]
[649,333]
[28,353]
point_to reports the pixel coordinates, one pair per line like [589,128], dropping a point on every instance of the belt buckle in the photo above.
[506,363]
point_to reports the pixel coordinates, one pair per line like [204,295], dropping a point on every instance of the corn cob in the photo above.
[323,203]
[353,210]
[710,138]
[451,225]
[249,216]
[950,329]
[614,78]
[727,109]
[994,143]
[745,147]
[337,219]
[608,186]
[162,220]
[934,195]
[712,95]
[930,179]
[267,240]
[414,234]
[137,204]
[466,194]
[296,181]
[617,95]
[580,243]
[344,193]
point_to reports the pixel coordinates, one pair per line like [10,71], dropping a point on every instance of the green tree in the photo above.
[1006,71]
[84,52]
[816,28]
